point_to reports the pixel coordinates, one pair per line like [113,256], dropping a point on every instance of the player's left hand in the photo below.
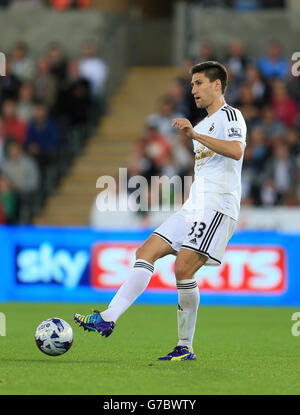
[183,124]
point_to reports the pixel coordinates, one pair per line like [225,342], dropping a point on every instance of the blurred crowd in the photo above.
[268,96]
[47,107]
[58,5]
[243,4]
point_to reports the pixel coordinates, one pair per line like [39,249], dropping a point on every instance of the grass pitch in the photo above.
[239,351]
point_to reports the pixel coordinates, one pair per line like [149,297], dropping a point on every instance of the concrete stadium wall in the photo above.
[72,29]
[194,25]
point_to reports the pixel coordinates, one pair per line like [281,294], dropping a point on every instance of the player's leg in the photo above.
[186,265]
[139,276]
[138,279]
[204,244]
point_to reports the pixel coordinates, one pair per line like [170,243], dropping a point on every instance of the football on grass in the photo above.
[54,336]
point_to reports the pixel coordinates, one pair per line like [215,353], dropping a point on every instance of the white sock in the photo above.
[188,302]
[135,284]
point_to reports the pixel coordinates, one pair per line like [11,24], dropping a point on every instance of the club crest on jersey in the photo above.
[211,129]
[234,132]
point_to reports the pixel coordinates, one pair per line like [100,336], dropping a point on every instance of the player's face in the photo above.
[204,91]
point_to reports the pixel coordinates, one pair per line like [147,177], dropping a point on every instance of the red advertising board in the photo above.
[245,269]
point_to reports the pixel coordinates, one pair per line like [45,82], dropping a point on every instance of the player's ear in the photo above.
[218,85]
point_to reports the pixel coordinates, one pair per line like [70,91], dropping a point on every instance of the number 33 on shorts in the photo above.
[210,236]
[198,232]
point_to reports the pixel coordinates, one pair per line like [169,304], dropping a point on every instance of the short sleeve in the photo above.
[236,129]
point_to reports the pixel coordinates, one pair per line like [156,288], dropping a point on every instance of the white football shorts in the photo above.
[209,235]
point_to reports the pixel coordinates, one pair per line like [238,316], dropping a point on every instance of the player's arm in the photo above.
[233,149]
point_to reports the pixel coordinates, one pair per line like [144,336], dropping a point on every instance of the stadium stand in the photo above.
[51,100]
[109,148]
[41,132]
[57,105]
[262,89]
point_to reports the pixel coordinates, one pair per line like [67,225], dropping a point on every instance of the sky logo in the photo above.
[47,264]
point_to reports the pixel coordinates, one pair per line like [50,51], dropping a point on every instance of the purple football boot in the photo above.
[94,322]
[179,353]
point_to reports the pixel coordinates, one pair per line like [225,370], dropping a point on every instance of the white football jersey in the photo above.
[218,178]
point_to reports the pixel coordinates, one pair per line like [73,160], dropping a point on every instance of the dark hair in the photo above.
[213,70]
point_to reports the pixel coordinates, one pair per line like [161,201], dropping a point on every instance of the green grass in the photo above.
[239,351]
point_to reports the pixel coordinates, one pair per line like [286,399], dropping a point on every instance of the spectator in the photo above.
[248,105]
[268,193]
[258,147]
[193,113]
[24,108]
[292,141]
[152,153]
[21,65]
[176,91]
[57,62]
[248,177]
[279,173]
[185,74]
[293,87]
[233,89]
[272,128]
[206,53]
[2,140]
[60,5]
[274,65]
[290,198]
[162,119]
[20,169]
[43,136]
[2,215]
[285,108]
[94,69]
[237,60]
[246,5]
[75,101]
[182,153]
[12,125]
[81,4]
[260,89]
[270,4]
[42,142]
[8,200]
[45,84]
[9,84]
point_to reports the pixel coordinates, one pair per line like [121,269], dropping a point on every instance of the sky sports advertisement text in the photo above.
[81,264]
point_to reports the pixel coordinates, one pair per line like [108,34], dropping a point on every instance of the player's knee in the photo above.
[143,252]
[182,270]
[139,252]
[153,249]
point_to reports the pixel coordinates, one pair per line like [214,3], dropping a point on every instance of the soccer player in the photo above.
[213,206]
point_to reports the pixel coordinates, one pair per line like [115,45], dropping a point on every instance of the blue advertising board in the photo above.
[86,265]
